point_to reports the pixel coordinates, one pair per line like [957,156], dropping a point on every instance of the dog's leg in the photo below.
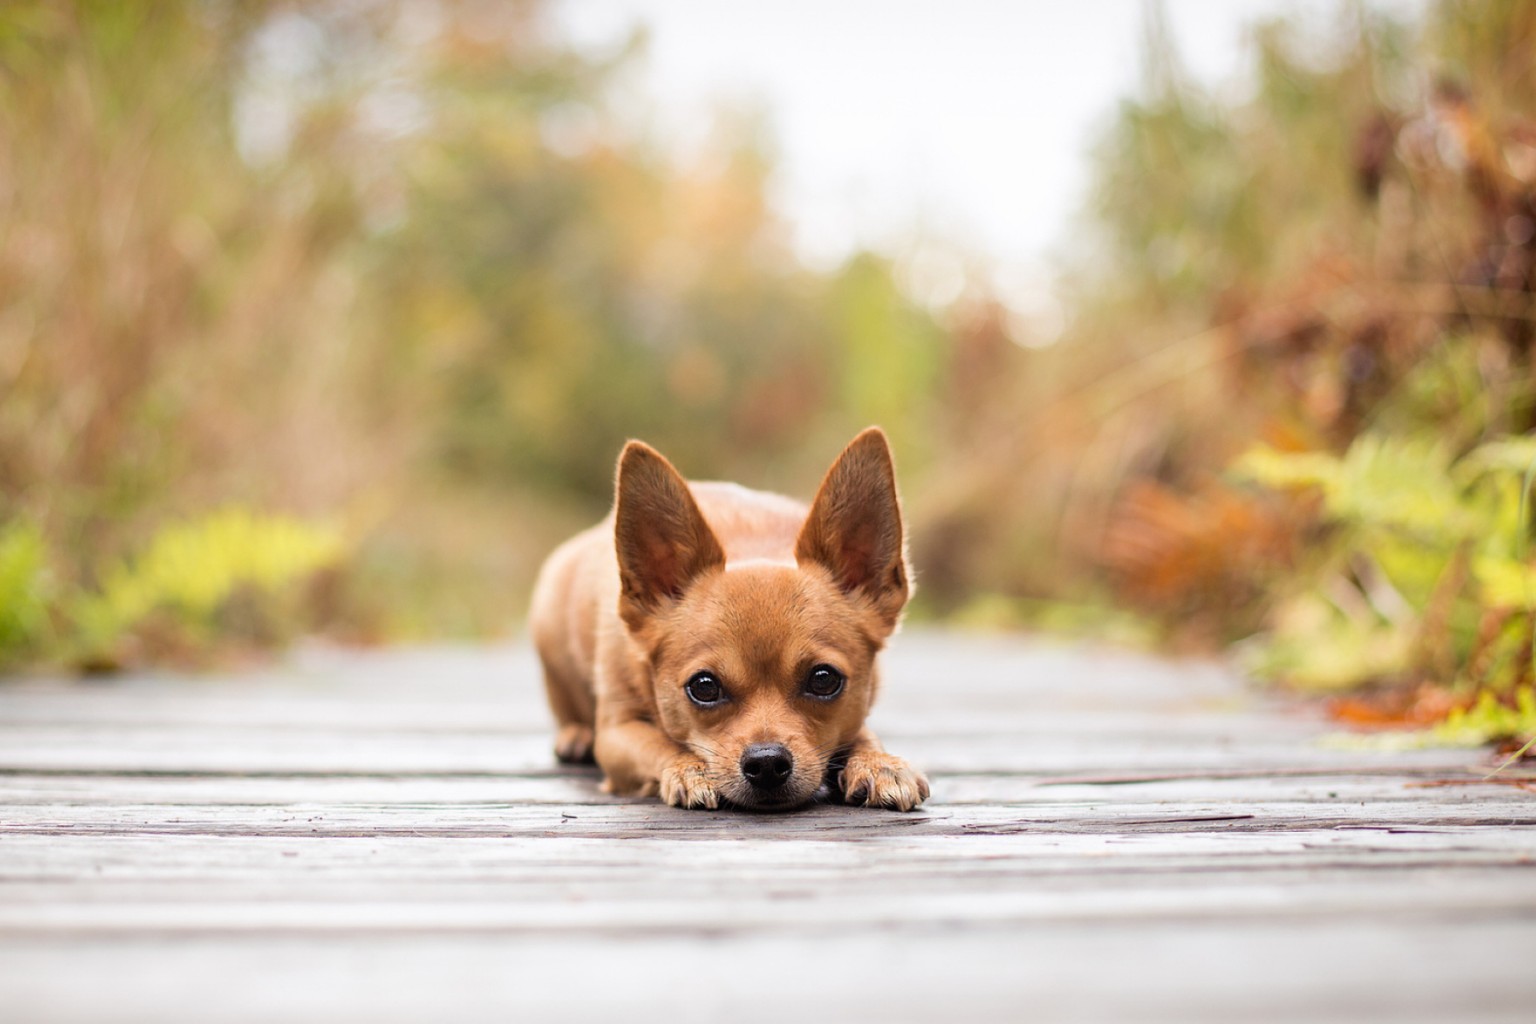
[570,700]
[638,759]
[573,718]
[877,779]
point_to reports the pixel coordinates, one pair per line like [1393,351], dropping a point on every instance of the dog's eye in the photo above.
[824,681]
[704,690]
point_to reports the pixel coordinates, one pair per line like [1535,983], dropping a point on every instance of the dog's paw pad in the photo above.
[880,780]
[573,744]
[685,783]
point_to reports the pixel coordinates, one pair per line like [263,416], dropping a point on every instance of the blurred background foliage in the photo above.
[330,317]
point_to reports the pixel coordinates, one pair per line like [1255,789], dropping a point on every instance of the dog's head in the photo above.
[764,669]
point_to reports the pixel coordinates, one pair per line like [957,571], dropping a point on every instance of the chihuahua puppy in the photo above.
[715,646]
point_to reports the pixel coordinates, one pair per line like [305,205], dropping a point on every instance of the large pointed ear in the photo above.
[854,529]
[662,540]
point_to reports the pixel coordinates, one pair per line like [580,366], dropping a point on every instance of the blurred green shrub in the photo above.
[193,570]
[1491,719]
[1322,294]
[24,597]
[190,572]
[1425,571]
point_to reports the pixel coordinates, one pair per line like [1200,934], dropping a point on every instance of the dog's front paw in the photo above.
[573,744]
[877,779]
[685,783]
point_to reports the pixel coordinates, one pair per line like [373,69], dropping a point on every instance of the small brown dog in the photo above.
[714,645]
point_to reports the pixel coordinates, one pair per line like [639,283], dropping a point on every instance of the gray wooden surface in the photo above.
[385,837]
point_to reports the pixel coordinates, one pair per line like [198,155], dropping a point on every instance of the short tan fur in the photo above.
[716,646]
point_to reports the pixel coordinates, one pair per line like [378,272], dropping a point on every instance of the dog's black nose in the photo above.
[767,766]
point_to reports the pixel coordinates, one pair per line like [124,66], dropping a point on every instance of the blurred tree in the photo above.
[393,257]
[171,312]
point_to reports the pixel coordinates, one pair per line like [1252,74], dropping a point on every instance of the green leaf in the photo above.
[1281,470]
[1489,720]
[23,599]
[1314,646]
[1505,582]
[1381,482]
[195,567]
[1515,455]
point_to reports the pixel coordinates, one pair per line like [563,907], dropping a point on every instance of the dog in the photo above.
[716,646]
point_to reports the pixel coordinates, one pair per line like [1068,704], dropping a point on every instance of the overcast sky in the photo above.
[897,120]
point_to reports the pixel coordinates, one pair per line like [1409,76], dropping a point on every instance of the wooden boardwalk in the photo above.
[385,837]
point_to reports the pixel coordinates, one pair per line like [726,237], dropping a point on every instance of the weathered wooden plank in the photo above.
[501,707]
[62,749]
[23,742]
[471,855]
[793,905]
[563,868]
[927,669]
[384,837]
[633,902]
[1176,970]
[495,703]
[831,822]
[1356,785]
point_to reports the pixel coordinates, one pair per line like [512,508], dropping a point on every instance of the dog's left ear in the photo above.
[855,530]
[661,539]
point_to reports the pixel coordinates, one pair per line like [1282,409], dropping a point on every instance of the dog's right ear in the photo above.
[854,528]
[662,540]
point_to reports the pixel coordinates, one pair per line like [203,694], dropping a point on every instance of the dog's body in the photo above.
[711,644]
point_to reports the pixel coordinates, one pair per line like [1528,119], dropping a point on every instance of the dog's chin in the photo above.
[742,796]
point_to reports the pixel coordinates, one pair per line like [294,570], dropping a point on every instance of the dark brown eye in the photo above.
[825,682]
[704,690]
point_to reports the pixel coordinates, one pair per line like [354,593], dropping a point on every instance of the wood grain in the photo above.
[384,836]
